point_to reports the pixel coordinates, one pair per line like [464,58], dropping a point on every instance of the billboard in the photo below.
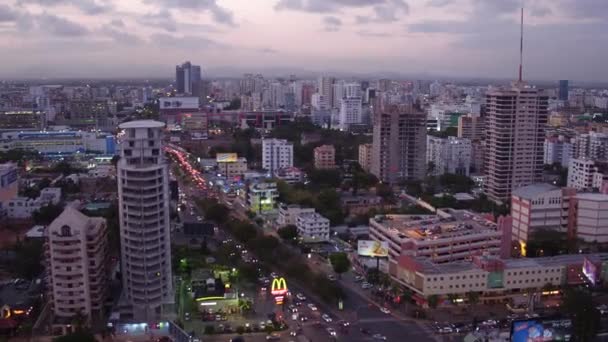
[372,248]
[541,329]
[226,157]
[182,102]
[590,271]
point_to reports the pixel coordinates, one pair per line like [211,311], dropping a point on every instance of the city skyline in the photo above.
[451,38]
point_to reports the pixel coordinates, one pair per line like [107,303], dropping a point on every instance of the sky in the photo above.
[564,39]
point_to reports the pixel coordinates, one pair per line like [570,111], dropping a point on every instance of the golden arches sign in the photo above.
[279,287]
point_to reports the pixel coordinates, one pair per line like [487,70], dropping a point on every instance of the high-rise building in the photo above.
[143,194]
[326,89]
[471,127]
[77,260]
[325,157]
[558,149]
[276,154]
[449,155]
[351,112]
[365,157]
[188,79]
[563,90]
[399,144]
[515,133]
[581,173]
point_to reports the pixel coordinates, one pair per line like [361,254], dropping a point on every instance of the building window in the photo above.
[65,231]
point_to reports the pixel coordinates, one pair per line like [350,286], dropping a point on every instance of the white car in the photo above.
[385,310]
[312,307]
[331,331]
[379,337]
[331,277]
[366,286]
[300,296]
[326,318]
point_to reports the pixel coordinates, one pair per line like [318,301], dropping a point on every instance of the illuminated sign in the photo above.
[5,312]
[590,271]
[522,248]
[279,290]
[226,157]
[372,248]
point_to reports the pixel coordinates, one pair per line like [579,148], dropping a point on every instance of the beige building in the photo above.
[77,259]
[365,157]
[516,118]
[231,169]
[325,157]
[399,144]
[471,127]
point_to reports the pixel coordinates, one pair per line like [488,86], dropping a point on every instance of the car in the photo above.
[379,337]
[331,331]
[312,307]
[364,331]
[366,285]
[199,218]
[331,277]
[385,310]
[344,323]
[603,309]
[293,333]
[326,318]
[303,318]
[273,337]
[300,296]
[274,275]
[358,278]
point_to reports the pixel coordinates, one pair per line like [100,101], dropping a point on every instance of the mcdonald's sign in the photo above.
[279,287]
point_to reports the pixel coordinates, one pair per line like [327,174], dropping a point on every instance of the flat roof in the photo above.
[533,190]
[142,124]
[459,223]
[592,197]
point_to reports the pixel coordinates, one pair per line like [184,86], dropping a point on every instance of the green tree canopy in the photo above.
[340,262]
[288,232]
[579,305]
[47,214]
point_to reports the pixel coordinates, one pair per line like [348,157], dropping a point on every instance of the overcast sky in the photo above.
[147,38]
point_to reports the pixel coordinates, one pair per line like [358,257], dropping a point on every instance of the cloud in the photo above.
[219,14]
[7,14]
[60,26]
[385,13]
[439,3]
[121,36]
[323,6]
[370,34]
[332,24]
[184,42]
[162,19]
[90,7]
[585,9]
[117,23]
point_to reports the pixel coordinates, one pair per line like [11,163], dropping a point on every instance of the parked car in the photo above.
[312,307]
[385,310]
[326,318]
[379,337]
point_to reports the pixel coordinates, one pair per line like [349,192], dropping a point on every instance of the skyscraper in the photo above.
[515,133]
[326,88]
[563,90]
[188,79]
[399,144]
[143,193]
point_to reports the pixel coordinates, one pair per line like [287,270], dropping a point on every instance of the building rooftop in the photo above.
[142,124]
[533,190]
[451,224]
[592,197]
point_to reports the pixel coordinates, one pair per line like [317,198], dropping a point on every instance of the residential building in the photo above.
[22,119]
[312,227]
[477,156]
[188,79]
[365,157]
[563,90]
[276,154]
[143,196]
[539,207]
[86,113]
[9,181]
[232,168]
[351,112]
[515,132]
[325,88]
[23,207]
[261,197]
[325,157]
[592,217]
[558,150]
[592,145]
[580,173]
[448,155]
[352,90]
[195,122]
[77,260]
[399,144]
[289,213]
[290,175]
[449,236]
[471,127]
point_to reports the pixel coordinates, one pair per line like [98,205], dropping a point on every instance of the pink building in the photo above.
[325,157]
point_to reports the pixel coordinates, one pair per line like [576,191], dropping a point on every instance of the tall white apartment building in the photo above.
[449,155]
[592,145]
[352,89]
[319,101]
[592,217]
[351,112]
[558,150]
[365,157]
[515,133]
[143,194]
[580,173]
[276,154]
[289,213]
[338,94]
[313,227]
[76,259]
[540,206]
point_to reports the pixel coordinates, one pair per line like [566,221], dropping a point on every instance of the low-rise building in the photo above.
[290,175]
[77,259]
[23,207]
[365,157]
[289,213]
[325,157]
[592,217]
[580,173]
[312,227]
[232,168]
[59,142]
[558,150]
[450,235]
[261,197]
[9,181]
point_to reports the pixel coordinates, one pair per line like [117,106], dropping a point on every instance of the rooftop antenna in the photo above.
[521,45]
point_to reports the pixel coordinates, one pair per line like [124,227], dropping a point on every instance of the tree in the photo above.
[456,183]
[30,256]
[472,297]
[384,190]
[47,214]
[79,336]
[340,262]
[433,301]
[216,212]
[579,305]
[288,233]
